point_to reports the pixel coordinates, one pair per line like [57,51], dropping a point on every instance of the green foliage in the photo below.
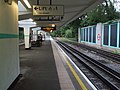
[56,33]
[97,15]
[68,33]
[74,27]
[102,13]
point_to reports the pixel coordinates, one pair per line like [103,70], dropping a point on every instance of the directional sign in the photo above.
[48,28]
[49,10]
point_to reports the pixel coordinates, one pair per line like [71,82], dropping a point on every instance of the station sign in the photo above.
[48,10]
[48,28]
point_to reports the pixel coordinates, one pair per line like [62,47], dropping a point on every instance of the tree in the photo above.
[111,13]
[97,15]
[102,13]
[68,33]
[74,25]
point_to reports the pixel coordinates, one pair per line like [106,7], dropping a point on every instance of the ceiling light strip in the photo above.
[27,3]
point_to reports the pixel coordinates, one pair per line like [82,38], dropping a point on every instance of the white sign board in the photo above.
[48,10]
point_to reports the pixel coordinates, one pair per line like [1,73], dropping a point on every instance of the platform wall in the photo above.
[9,39]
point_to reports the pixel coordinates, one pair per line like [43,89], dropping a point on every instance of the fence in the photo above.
[109,36]
[88,34]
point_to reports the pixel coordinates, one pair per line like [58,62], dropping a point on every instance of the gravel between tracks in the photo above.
[113,65]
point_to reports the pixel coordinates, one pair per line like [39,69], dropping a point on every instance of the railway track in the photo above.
[105,77]
[103,53]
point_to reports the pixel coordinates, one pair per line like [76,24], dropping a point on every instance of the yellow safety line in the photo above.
[75,75]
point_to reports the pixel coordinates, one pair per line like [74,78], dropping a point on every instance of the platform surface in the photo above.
[38,69]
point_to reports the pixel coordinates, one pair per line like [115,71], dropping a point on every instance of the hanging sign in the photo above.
[48,10]
[48,28]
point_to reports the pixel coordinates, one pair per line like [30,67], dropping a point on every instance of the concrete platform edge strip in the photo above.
[62,73]
[92,86]
[75,75]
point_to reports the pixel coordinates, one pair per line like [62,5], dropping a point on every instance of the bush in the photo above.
[68,33]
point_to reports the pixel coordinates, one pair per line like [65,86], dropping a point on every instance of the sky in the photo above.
[116,4]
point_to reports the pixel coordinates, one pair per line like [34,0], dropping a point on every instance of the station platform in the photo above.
[46,68]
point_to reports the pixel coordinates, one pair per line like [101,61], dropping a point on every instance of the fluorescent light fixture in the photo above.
[53,25]
[51,31]
[30,19]
[34,23]
[27,3]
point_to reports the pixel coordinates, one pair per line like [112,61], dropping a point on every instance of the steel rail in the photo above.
[103,53]
[101,66]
